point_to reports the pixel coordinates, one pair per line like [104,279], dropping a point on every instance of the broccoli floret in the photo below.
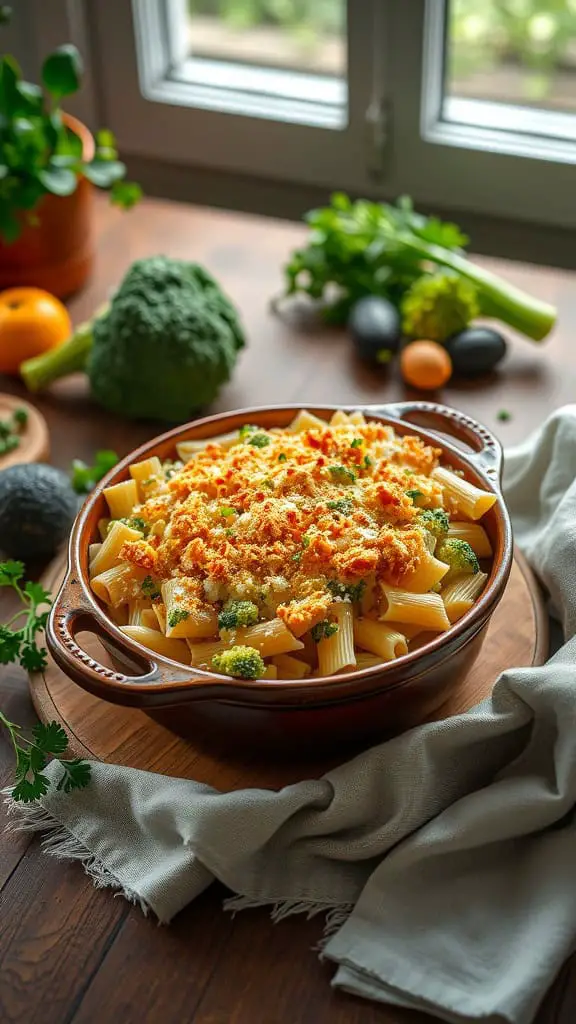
[322,630]
[243,662]
[458,554]
[437,306]
[162,349]
[238,613]
[347,591]
[435,520]
[259,440]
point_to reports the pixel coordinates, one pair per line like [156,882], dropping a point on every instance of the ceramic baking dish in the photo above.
[355,706]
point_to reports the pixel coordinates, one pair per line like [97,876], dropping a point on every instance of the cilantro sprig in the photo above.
[18,643]
[18,635]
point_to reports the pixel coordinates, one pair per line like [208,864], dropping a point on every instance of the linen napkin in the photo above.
[445,859]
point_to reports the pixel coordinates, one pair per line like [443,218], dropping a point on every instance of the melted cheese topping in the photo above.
[277,516]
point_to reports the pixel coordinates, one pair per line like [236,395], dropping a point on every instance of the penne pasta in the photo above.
[461,594]
[293,529]
[289,667]
[121,499]
[337,651]
[188,449]
[143,471]
[183,619]
[470,500]
[177,650]
[475,535]
[117,584]
[379,639]
[109,553]
[305,420]
[424,610]
[428,573]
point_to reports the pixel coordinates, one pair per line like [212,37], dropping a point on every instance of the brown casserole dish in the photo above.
[361,704]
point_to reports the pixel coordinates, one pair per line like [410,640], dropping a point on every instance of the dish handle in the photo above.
[486,451]
[72,613]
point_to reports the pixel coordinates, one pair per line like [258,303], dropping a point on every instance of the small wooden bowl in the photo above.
[34,440]
[304,711]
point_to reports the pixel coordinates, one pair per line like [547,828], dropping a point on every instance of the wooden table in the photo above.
[70,952]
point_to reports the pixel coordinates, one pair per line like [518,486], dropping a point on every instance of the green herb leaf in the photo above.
[342,505]
[103,173]
[62,71]
[33,658]
[10,572]
[282,457]
[176,616]
[357,442]
[50,737]
[27,790]
[37,593]
[227,510]
[149,587]
[10,643]
[20,416]
[77,775]
[323,630]
[247,429]
[125,194]
[84,477]
[414,494]
[503,415]
[367,462]
[342,474]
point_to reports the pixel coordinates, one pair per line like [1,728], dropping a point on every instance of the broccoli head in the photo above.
[435,520]
[437,306]
[458,554]
[162,349]
[238,613]
[242,662]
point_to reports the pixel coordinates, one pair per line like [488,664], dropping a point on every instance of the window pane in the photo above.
[513,51]
[303,35]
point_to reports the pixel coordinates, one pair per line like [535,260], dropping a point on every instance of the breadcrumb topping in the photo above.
[274,522]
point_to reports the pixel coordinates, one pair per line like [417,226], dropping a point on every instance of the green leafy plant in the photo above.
[39,153]
[366,248]
[18,643]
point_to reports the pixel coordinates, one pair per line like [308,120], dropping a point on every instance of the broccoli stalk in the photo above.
[497,298]
[242,662]
[71,357]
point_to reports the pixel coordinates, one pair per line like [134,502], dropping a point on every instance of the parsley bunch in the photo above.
[84,477]
[18,643]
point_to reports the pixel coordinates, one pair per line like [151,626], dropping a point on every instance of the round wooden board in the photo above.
[518,636]
[34,440]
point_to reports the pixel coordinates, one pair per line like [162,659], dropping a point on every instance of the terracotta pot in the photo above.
[58,253]
[303,712]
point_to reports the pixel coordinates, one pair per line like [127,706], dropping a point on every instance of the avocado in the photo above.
[37,509]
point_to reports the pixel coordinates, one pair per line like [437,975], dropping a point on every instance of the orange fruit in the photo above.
[425,365]
[31,322]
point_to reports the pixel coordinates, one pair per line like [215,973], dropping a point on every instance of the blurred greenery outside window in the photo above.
[513,51]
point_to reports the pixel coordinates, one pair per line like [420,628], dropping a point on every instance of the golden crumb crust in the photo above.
[278,516]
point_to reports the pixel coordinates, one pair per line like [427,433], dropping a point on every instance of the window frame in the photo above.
[397,139]
[149,110]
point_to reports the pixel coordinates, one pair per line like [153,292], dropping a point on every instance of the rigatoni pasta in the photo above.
[282,554]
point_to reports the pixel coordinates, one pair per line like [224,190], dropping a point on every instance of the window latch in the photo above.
[378,120]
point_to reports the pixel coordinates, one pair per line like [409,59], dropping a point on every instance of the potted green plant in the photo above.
[49,163]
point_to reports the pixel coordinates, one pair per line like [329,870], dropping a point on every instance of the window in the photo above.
[464,104]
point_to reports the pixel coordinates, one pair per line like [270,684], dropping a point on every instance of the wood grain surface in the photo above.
[72,953]
[518,635]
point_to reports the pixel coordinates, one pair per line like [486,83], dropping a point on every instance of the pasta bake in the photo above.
[296,552]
